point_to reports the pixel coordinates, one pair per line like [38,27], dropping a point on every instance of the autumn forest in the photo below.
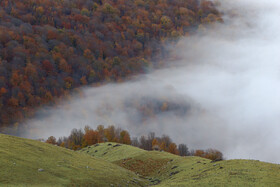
[50,48]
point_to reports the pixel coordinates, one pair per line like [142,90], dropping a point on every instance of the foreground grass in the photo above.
[26,162]
[201,172]
[164,169]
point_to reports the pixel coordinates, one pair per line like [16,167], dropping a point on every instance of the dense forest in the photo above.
[80,138]
[50,47]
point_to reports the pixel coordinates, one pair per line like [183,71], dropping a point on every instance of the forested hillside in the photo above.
[49,47]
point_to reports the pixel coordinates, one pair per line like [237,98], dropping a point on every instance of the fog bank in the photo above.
[223,93]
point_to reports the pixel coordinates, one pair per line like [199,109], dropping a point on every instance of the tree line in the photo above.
[80,138]
[48,48]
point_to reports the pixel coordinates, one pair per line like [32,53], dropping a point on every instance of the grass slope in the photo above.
[195,171]
[164,169]
[21,159]
[112,151]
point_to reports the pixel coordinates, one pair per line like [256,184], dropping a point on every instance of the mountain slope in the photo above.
[48,48]
[26,162]
[164,169]
[33,163]
[224,173]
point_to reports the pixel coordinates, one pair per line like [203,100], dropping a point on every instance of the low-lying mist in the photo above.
[223,93]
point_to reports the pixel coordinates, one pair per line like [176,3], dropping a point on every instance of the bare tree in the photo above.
[143,142]
[151,137]
[183,150]
[76,138]
[135,142]
[166,139]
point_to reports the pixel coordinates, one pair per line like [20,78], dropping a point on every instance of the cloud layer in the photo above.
[224,93]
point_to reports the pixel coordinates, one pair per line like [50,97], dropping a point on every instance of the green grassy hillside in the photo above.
[199,172]
[26,162]
[164,169]
[112,151]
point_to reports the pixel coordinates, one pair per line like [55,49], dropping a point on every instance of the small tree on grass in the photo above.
[183,150]
[213,154]
[173,149]
[51,140]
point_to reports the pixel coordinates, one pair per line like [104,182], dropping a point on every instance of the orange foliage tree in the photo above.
[91,137]
[125,137]
[51,140]
[173,149]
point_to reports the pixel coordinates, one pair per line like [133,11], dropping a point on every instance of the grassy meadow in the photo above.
[25,162]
